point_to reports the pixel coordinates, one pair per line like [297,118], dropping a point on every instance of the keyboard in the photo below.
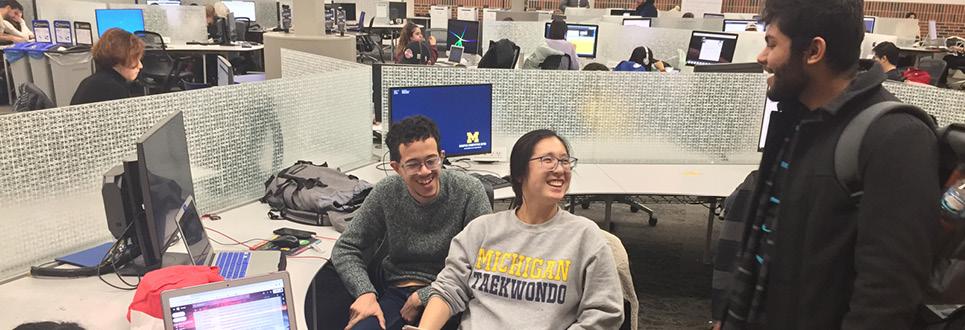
[233,265]
[494,181]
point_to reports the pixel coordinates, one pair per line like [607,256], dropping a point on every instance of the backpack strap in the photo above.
[849,143]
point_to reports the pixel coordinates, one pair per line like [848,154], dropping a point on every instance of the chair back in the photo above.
[361,20]
[935,67]
[556,62]
[152,40]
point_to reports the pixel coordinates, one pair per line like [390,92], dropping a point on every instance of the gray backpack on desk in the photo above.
[314,194]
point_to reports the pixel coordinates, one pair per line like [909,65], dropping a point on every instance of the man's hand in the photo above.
[365,306]
[412,307]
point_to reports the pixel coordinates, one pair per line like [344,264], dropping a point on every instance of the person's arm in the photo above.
[450,290]
[897,223]
[11,38]
[602,304]
[25,29]
[365,229]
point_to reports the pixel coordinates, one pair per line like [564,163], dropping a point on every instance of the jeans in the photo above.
[391,301]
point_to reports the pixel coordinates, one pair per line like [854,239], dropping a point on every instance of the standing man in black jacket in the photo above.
[813,257]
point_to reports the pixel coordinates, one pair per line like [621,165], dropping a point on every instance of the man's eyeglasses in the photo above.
[432,163]
[550,162]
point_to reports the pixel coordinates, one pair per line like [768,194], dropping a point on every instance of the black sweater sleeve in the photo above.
[897,223]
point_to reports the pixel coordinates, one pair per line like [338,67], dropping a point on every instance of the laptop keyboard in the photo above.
[233,265]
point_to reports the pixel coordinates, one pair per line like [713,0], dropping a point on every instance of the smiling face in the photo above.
[546,183]
[786,68]
[419,167]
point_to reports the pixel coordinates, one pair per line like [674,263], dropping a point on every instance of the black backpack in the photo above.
[947,284]
[30,97]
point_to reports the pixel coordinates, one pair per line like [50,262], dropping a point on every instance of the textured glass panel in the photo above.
[527,35]
[944,104]
[180,23]
[266,10]
[52,161]
[297,64]
[664,43]
[617,117]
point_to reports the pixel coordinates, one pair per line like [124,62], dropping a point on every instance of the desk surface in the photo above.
[924,50]
[211,48]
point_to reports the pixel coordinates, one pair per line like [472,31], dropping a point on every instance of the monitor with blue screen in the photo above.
[869,24]
[464,34]
[129,20]
[463,114]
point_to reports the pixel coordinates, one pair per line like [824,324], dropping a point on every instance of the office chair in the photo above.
[935,67]
[442,42]
[366,45]
[502,54]
[361,24]
[556,62]
[161,72]
[242,24]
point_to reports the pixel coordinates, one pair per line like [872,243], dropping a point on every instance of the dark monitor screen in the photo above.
[463,113]
[583,36]
[740,25]
[167,188]
[621,12]
[129,20]
[711,48]
[643,22]
[712,15]
[397,10]
[349,9]
[464,34]
[869,24]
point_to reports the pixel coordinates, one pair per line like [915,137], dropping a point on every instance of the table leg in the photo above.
[204,68]
[710,231]
[608,216]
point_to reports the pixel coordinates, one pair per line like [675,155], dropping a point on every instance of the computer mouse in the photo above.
[286,241]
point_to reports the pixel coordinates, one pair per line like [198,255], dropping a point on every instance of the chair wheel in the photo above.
[653,221]
[585,205]
[634,209]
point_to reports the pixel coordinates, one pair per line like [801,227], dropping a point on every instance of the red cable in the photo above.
[307,257]
[229,237]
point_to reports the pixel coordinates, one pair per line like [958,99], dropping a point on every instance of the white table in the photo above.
[210,49]
[94,305]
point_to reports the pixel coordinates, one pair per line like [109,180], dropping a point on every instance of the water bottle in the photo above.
[953,202]
[340,18]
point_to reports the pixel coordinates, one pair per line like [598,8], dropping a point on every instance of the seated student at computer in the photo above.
[8,8]
[645,8]
[417,213]
[413,33]
[533,267]
[117,58]
[14,24]
[886,54]
[556,39]
[641,60]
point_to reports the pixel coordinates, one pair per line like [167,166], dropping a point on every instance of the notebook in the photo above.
[258,302]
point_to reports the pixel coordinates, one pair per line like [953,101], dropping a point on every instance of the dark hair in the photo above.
[49,326]
[410,129]
[595,67]
[404,37]
[910,14]
[115,47]
[557,29]
[839,22]
[521,154]
[14,4]
[688,15]
[643,56]
[887,50]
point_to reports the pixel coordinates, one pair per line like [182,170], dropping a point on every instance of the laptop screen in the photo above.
[259,305]
[455,54]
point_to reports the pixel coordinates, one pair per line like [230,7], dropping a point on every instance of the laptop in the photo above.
[455,56]
[260,302]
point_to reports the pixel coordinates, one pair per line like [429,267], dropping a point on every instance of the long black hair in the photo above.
[520,157]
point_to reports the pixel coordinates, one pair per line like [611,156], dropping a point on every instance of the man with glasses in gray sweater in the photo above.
[417,213]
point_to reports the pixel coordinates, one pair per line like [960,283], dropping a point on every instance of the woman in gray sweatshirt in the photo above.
[534,267]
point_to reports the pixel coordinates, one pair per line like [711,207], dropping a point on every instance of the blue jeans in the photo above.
[391,301]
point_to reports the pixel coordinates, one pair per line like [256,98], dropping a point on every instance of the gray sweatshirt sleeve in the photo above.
[365,229]
[602,303]
[452,284]
[478,203]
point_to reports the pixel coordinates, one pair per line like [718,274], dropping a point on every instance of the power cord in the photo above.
[112,256]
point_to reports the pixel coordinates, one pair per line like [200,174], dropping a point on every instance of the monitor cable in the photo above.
[102,267]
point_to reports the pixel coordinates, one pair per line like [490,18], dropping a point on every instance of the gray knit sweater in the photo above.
[417,236]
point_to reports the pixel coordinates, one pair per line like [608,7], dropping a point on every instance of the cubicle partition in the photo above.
[944,104]
[180,23]
[616,117]
[52,161]
[266,10]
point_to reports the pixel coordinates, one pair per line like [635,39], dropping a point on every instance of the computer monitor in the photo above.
[713,15]
[164,2]
[643,22]
[397,10]
[242,9]
[583,36]
[226,74]
[740,25]
[621,12]
[129,20]
[349,9]
[750,67]
[167,192]
[769,108]
[463,113]
[711,48]
[83,34]
[869,24]
[464,34]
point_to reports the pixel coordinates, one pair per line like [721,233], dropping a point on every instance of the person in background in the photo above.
[886,54]
[414,215]
[413,33]
[117,57]
[9,8]
[911,15]
[817,255]
[646,8]
[688,15]
[641,60]
[536,266]
[573,3]
[14,24]
[557,40]
[595,67]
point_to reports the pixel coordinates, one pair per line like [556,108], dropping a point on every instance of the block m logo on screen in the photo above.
[472,137]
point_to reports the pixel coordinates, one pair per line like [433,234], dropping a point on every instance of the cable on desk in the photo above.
[245,242]
[307,257]
[382,165]
[111,255]
[229,237]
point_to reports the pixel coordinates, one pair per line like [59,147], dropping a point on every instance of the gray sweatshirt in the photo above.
[506,274]
[416,236]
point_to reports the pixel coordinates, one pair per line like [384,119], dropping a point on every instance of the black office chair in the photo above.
[368,43]
[935,67]
[502,54]
[556,62]
[361,24]
[242,25]
[162,73]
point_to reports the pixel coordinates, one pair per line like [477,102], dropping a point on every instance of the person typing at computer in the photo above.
[533,267]
[405,52]
[641,60]
[556,39]
[14,24]
[415,215]
[117,57]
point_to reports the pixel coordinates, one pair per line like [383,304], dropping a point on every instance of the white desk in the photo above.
[211,48]
[94,305]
